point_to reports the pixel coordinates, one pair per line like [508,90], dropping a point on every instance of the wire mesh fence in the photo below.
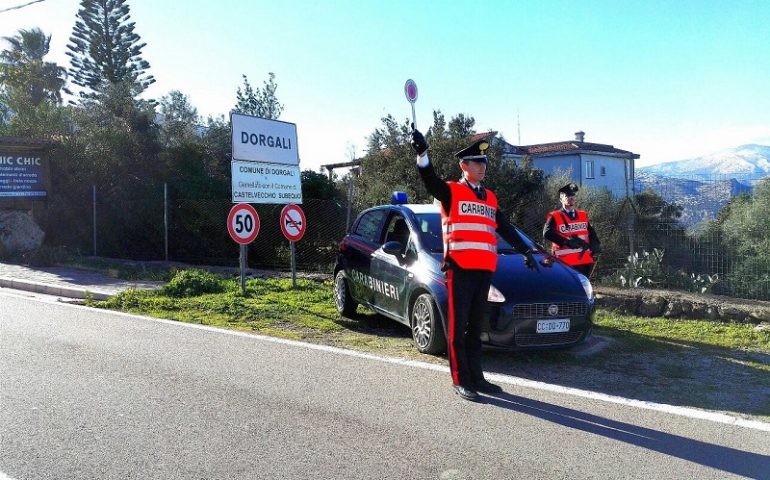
[644,244]
[158,227]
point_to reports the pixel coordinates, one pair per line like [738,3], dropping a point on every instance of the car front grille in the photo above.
[545,339]
[540,310]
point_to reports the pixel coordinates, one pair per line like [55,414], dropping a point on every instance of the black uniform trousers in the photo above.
[468,291]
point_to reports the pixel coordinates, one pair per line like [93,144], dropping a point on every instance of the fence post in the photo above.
[165,219]
[350,203]
[93,200]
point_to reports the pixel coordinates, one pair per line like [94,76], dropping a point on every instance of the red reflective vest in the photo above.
[469,229]
[566,227]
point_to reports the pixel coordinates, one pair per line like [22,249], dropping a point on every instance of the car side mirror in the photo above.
[392,248]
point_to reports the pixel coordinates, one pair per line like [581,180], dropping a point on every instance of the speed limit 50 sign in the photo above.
[243,223]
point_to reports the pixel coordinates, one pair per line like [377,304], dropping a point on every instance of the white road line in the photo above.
[500,378]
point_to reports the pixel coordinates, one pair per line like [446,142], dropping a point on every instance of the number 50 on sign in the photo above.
[243,223]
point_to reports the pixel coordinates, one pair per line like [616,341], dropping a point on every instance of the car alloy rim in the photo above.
[421,324]
[339,292]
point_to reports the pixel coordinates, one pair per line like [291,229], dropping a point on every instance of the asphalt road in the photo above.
[93,394]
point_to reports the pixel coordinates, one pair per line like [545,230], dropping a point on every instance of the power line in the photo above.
[20,6]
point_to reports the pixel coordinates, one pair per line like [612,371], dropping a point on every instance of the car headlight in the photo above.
[586,285]
[495,295]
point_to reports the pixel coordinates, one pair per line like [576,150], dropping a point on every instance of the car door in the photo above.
[391,271]
[360,243]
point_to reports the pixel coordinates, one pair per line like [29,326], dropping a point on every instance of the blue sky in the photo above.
[665,79]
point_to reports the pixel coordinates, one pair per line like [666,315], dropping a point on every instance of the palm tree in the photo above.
[22,69]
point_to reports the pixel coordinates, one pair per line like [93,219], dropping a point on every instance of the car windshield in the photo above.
[430,234]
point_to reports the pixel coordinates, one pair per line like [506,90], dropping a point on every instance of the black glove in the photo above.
[529,261]
[583,245]
[573,242]
[418,141]
[596,249]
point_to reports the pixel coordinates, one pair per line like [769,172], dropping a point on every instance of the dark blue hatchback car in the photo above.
[390,262]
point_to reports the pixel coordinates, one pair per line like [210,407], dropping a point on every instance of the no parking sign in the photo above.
[293,222]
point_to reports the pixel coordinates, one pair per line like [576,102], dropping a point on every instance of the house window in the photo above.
[603,171]
[589,169]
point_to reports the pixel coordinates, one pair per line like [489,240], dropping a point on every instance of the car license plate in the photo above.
[553,326]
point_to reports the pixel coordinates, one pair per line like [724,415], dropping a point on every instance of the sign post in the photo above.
[293,225]
[410,90]
[243,225]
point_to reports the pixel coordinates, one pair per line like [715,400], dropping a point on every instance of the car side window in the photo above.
[430,231]
[370,225]
[398,231]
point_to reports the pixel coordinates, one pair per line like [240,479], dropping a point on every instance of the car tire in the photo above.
[342,300]
[427,331]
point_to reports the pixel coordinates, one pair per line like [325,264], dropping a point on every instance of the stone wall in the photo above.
[672,304]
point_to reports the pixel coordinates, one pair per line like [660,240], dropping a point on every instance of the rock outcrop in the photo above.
[19,234]
[673,304]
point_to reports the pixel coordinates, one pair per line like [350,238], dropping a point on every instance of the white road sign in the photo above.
[265,183]
[260,140]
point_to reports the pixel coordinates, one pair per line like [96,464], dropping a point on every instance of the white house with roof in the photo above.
[593,165]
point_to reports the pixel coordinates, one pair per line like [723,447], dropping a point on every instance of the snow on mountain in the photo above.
[749,161]
[704,185]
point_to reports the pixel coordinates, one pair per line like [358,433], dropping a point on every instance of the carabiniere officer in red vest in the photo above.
[470,217]
[574,240]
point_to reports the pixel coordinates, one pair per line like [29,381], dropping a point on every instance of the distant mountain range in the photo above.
[751,161]
[704,185]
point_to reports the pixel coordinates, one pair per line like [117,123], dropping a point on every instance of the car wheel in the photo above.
[342,299]
[427,332]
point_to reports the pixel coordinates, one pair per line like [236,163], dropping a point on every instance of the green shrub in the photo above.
[193,283]
[648,271]
[696,282]
[645,270]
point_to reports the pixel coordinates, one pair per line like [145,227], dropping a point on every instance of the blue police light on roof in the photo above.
[399,198]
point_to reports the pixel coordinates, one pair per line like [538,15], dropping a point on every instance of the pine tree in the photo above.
[261,102]
[104,48]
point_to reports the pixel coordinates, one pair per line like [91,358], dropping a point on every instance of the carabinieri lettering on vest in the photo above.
[573,227]
[479,209]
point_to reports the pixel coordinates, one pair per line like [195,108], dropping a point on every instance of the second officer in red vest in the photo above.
[574,240]
[470,217]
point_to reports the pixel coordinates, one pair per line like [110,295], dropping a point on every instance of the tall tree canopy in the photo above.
[30,88]
[261,102]
[318,185]
[389,164]
[104,48]
[180,118]
[23,71]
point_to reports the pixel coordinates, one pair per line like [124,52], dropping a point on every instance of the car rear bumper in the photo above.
[514,328]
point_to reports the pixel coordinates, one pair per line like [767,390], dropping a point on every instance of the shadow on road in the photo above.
[738,462]
[645,368]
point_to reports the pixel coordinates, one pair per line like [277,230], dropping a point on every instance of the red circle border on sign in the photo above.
[410,83]
[284,213]
[233,211]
